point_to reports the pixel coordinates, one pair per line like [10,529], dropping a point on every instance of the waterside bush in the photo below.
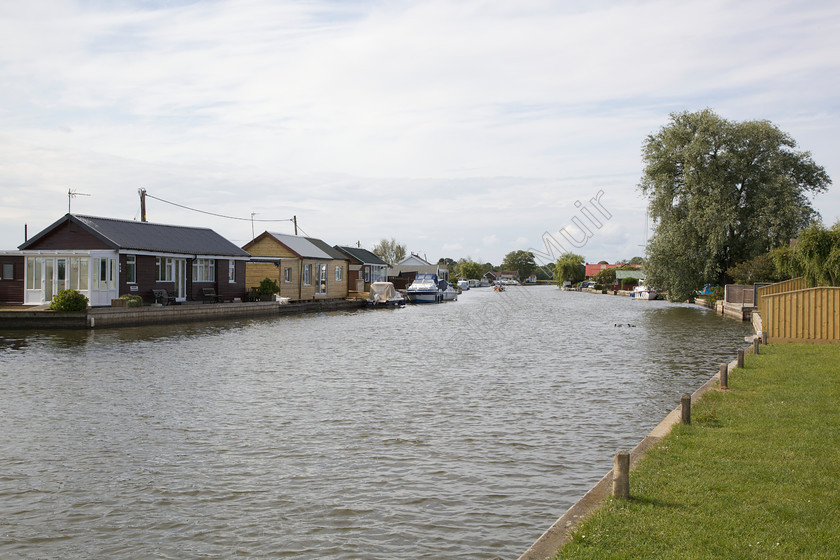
[69,300]
[132,300]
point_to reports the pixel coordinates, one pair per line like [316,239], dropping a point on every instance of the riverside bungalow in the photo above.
[305,268]
[104,258]
[365,267]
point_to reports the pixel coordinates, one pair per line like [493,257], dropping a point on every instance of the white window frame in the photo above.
[131,269]
[339,273]
[204,270]
[321,286]
[307,275]
[232,271]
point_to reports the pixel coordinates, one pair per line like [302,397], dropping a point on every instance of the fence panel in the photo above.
[809,315]
[778,288]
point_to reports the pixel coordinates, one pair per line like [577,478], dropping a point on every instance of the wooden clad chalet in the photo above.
[305,268]
[365,267]
[104,258]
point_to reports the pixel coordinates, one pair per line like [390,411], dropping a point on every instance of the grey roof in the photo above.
[362,255]
[146,236]
[332,252]
[302,246]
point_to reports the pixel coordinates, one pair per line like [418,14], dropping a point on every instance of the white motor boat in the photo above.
[425,289]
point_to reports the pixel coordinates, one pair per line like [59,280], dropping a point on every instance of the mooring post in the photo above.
[621,475]
[741,358]
[724,376]
[764,337]
[685,403]
[755,345]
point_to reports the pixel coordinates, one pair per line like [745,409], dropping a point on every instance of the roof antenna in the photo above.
[71,194]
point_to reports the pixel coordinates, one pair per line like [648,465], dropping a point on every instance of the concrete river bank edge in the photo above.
[560,532]
[111,317]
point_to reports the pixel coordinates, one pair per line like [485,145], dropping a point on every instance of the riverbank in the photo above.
[753,476]
[40,317]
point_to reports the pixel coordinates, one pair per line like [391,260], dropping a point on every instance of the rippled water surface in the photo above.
[460,430]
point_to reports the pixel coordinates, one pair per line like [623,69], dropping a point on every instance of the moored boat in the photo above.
[425,289]
[383,294]
[448,292]
[643,292]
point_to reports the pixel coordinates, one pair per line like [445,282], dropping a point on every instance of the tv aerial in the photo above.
[71,194]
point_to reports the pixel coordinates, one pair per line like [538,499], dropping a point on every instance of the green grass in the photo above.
[756,474]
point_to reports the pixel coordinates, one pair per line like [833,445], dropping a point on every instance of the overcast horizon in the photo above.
[461,129]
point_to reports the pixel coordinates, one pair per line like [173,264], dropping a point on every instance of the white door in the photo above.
[180,279]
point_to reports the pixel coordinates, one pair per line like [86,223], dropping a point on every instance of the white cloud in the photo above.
[430,122]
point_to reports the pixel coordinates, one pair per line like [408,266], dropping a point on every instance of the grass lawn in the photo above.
[756,474]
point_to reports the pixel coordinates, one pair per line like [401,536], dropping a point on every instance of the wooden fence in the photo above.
[809,315]
[778,288]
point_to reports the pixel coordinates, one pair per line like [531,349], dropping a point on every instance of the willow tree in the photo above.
[571,267]
[719,193]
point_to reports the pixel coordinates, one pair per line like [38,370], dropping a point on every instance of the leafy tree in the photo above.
[569,267]
[606,277]
[719,193]
[818,253]
[471,270]
[520,261]
[759,269]
[637,260]
[389,251]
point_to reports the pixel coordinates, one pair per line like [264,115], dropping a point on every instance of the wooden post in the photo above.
[741,358]
[724,376]
[621,475]
[685,403]
[755,345]
[764,337]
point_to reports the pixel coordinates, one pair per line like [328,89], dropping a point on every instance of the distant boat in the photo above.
[643,292]
[383,294]
[464,284]
[448,292]
[425,289]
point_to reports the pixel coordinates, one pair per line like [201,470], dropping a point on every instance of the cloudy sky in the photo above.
[460,128]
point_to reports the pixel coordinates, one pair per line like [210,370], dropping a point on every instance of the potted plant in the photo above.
[267,289]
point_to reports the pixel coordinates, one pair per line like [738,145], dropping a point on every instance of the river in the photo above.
[460,430]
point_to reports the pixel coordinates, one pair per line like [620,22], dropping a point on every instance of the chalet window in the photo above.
[204,270]
[61,274]
[339,273]
[131,269]
[287,275]
[367,274]
[322,279]
[231,271]
[33,273]
[78,273]
[164,268]
[8,271]
[307,275]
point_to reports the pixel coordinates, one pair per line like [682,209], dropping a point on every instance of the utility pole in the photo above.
[294,219]
[142,204]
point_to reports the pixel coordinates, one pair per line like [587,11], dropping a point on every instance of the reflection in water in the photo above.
[459,430]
